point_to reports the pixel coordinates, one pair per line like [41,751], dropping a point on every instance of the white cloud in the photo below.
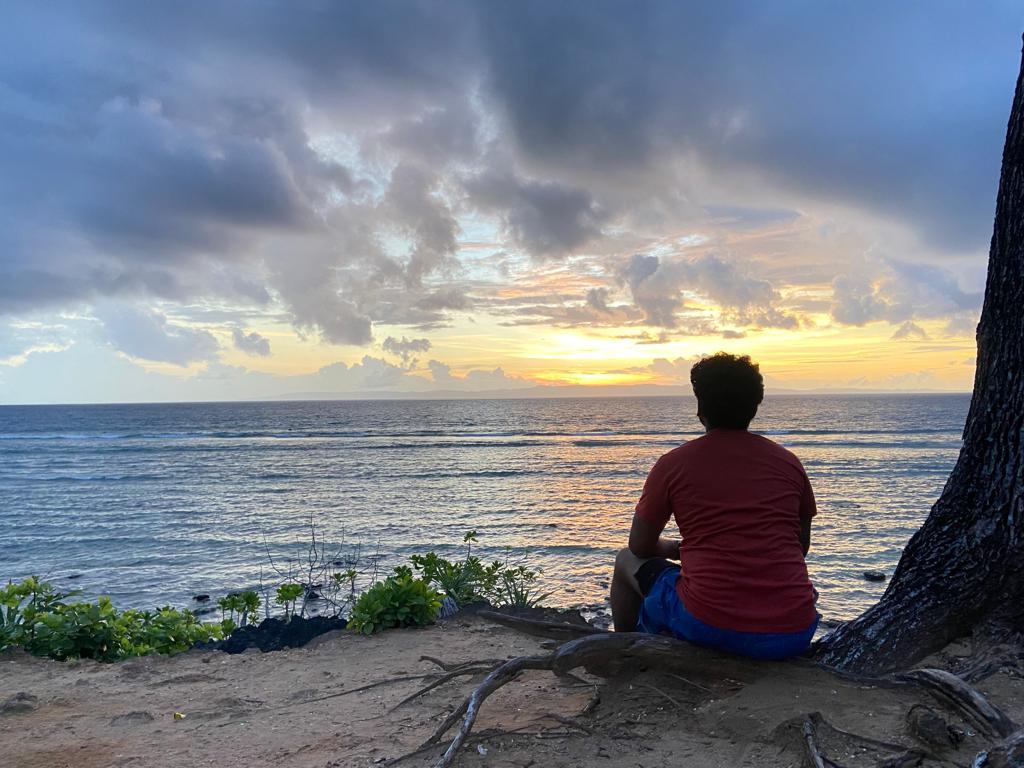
[898,291]
[148,335]
[658,287]
[478,380]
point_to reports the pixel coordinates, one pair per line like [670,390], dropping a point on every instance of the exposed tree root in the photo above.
[460,671]
[503,674]
[908,759]
[811,744]
[951,690]
[570,722]
[607,653]
[555,630]
[1008,754]
[451,667]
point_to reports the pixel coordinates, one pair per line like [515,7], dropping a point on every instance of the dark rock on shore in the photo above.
[201,598]
[19,704]
[273,634]
[874,576]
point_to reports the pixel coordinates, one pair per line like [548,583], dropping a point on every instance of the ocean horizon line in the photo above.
[548,392]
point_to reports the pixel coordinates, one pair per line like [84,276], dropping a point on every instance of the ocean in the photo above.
[152,504]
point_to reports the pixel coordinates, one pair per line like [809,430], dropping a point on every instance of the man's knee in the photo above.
[626,564]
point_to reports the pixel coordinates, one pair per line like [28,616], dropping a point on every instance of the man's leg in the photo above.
[626,595]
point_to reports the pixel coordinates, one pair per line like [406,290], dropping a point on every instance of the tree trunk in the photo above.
[965,567]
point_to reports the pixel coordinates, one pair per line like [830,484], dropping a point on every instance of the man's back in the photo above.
[739,500]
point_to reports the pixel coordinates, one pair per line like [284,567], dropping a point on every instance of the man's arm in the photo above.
[645,540]
[805,535]
[808,509]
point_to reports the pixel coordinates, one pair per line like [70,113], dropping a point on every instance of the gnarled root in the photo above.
[607,653]
[969,702]
[503,674]
[1009,754]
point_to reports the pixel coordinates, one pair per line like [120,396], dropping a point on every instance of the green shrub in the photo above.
[465,581]
[21,604]
[238,609]
[167,630]
[516,588]
[39,618]
[398,601]
[470,580]
[287,595]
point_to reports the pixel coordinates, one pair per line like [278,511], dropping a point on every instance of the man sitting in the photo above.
[743,505]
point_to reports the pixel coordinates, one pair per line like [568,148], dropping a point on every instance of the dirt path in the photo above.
[290,709]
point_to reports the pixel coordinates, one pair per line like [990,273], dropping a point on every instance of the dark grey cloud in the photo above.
[251,343]
[597,298]
[910,330]
[189,151]
[406,349]
[544,218]
[899,109]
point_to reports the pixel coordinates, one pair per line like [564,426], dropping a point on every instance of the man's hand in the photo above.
[644,541]
[668,548]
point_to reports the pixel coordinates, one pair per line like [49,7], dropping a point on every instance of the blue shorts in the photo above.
[663,611]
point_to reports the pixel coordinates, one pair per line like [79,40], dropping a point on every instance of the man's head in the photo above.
[728,390]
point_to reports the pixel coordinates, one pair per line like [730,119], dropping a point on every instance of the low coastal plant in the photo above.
[238,609]
[41,619]
[20,604]
[470,580]
[400,600]
[287,596]
[517,588]
[48,622]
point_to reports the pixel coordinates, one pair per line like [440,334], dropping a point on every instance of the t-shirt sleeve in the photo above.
[808,506]
[654,505]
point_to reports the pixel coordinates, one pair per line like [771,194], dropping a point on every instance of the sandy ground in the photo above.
[294,709]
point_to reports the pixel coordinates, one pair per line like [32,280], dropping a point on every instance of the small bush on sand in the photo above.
[470,580]
[41,619]
[398,601]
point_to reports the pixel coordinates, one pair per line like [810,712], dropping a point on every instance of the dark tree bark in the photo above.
[964,569]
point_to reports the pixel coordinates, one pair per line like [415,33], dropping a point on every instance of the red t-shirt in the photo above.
[738,499]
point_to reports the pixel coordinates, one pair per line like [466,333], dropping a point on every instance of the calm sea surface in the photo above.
[152,504]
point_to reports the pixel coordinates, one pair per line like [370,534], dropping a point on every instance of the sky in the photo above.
[225,200]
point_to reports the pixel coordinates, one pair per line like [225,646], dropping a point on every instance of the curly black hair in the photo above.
[728,390]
